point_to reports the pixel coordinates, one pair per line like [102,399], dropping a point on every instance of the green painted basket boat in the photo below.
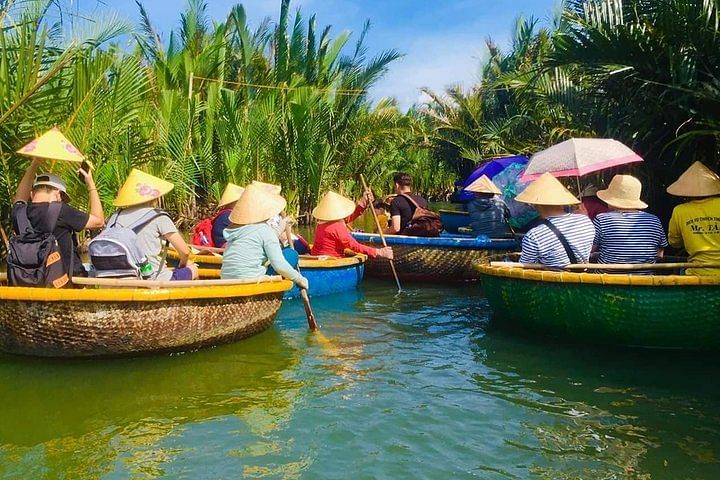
[658,311]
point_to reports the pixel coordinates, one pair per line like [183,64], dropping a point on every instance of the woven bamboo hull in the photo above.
[453,220]
[660,312]
[153,322]
[431,260]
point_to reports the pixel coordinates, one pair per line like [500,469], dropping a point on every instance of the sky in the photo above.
[443,41]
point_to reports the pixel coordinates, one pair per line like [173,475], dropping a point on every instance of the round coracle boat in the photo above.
[658,311]
[448,258]
[326,275]
[453,220]
[130,317]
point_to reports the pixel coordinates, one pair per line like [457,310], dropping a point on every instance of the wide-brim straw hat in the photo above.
[268,187]
[483,185]
[696,181]
[231,194]
[256,205]
[623,192]
[54,146]
[141,187]
[547,190]
[333,206]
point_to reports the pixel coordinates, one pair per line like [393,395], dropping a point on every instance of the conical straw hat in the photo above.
[268,187]
[623,192]
[141,187]
[697,181]
[256,205]
[52,145]
[483,185]
[333,206]
[231,194]
[547,190]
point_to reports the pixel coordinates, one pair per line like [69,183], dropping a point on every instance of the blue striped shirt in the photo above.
[628,237]
[541,245]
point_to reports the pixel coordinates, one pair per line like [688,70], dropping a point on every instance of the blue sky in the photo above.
[443,40]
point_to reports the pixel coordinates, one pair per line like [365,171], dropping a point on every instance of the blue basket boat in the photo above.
[452,220]
[448,258]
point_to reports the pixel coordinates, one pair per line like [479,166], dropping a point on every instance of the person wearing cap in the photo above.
[251,242]
[695,225]
[221,221]
[489,215]
[136,202]
[626,234]
[562,238]
[37,192]
[332,236]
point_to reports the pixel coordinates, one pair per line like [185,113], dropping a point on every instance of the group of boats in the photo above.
[112,317]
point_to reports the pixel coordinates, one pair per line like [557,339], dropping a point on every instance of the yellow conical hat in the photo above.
[333,206]
[256,205]
[547,190]
[231,194]
[141,187]
[268,187]
[53,145]
[483,185]
[697,181]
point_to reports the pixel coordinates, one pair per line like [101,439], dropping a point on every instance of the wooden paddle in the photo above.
[382,235]
[312,323]
[609,266]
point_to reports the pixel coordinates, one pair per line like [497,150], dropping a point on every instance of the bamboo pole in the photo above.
[608,266]
[382,234]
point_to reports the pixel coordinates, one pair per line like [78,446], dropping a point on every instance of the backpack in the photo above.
[34,258]
[202,233]
[424,222]
[114,252]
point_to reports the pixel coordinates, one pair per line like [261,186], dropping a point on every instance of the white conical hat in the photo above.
[696,181]
[547,190]
[333,206]
[483,185]
[256,205]
[231,194]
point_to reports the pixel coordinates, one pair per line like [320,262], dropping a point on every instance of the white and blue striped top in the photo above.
[541,245]
[628,237]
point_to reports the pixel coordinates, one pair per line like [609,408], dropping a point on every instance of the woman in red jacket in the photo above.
[332,236]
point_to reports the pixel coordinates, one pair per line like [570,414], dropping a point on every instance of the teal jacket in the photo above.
[248,250]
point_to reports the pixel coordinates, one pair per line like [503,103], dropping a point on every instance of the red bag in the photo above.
[202,233]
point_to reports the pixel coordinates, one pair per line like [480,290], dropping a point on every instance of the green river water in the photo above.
[412,386]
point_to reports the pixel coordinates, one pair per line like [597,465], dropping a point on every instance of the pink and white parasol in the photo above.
[579,156]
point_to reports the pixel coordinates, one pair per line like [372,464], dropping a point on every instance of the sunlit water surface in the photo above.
[411,386]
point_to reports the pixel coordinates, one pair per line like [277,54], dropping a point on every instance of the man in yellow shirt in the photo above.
[695,225]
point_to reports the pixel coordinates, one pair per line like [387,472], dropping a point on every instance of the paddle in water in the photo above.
[382,235]
[312,323]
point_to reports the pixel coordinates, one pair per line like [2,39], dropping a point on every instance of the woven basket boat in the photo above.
[659,311]
[452,220]
[96,322]
[446,258]
[326,275]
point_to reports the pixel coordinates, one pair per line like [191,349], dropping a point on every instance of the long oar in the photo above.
[312,323]
[382,236]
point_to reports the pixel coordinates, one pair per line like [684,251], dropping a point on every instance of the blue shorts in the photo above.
[182,274]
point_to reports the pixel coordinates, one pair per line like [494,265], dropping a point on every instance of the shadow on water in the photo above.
[598,412]
[79,416]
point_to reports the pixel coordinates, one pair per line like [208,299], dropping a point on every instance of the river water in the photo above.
[418,385]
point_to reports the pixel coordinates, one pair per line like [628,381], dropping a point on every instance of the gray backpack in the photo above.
[114,252]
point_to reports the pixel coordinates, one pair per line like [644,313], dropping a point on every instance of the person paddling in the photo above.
[332,236]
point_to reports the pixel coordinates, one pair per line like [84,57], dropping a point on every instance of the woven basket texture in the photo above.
[91,329]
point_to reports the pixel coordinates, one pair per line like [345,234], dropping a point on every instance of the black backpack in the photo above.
[34,258]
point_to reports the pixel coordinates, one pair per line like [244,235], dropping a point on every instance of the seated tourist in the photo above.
[489,215]
[561,238]
[626,234]
[42,200]
[221,221]
[695,225]
[252,243]
[279,224]
[403,206]
[591,205]
[137,204]
[332,236]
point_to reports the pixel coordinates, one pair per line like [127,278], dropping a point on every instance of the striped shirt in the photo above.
[541,245]
[628,237]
